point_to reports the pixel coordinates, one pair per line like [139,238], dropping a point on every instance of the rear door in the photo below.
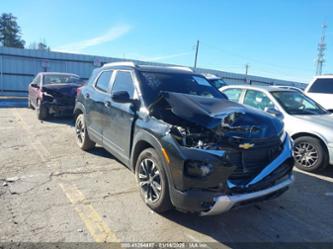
[257,99]
[119,117]
[233,94]
[95,100]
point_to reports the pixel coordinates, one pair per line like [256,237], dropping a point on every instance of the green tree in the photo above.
[42,45]
[10,32]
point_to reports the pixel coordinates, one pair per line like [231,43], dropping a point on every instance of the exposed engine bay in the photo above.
[198,122]
[199,138]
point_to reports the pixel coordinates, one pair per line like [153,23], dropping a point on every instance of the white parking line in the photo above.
[321,177]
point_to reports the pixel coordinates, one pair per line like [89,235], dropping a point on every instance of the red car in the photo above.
[53,93]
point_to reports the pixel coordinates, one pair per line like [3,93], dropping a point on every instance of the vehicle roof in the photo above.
[149,68]
[210,76]
[58,73]
[324,76]
[261,88]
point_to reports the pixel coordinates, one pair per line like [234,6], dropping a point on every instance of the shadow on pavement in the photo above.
[100,151]
[302,214]
[68,120]
[328,172]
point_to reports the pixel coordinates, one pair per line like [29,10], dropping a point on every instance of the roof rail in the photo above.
[120,63]
[181,68]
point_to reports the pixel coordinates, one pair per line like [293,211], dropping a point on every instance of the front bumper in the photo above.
[59,109]
[225,203]
[270,182]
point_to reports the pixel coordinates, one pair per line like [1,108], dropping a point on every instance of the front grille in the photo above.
[250,162]
[275,177]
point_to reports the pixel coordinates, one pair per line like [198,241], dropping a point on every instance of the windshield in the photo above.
[153,83]
[60,79]
[296,103]
[218,83]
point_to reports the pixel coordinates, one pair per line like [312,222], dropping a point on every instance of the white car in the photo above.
[310,125]
[321,90]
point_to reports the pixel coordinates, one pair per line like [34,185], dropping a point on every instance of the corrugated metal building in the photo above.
[19,66]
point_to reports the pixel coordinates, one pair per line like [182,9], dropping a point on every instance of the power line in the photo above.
[269,64]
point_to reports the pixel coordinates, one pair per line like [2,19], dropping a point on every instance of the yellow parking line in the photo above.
[97,228]
[35,143]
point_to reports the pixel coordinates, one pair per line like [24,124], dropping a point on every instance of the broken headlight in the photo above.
[47,96]
[197,169]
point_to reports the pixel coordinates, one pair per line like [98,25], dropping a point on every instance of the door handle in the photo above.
[87,95]
[107,104]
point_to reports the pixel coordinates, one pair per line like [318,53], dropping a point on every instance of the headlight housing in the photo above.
[198,169]
[48,96]
[283,136]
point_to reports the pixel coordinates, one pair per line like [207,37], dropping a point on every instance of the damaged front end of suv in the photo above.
[220,154]
[188,145]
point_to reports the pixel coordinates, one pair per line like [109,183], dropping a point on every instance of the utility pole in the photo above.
[196,55]
[246,71]
[321,51]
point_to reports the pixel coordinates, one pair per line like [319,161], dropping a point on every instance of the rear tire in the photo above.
[310,154]
[42,111]
[82,137]
[152,181]
[29,103]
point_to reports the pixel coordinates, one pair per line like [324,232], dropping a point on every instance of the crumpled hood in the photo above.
[67,89]
[223,116]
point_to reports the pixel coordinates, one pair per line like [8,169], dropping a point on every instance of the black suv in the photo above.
[190,147]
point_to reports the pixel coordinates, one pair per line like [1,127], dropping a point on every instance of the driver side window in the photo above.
[123,82]
[257,100]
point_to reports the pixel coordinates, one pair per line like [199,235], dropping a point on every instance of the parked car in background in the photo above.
[307,122]
[216,81]
[189,147]
[52,93]
[321,90]
[289,87]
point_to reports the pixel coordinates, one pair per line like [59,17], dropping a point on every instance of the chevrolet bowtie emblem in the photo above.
[246,146]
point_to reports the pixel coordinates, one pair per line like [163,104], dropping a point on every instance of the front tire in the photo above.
[82,137]
[310,154]
[152,181]
[42,111]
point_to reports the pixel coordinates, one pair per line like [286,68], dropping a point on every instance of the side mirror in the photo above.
[34,85]
[274,112]
[121,97]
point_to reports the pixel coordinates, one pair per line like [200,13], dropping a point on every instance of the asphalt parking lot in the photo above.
[51,191]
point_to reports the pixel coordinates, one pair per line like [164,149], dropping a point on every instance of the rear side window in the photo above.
[93,76]
[322,86]
[104,81]
[36,80]
[233,94]
[123,82]
[257,100]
